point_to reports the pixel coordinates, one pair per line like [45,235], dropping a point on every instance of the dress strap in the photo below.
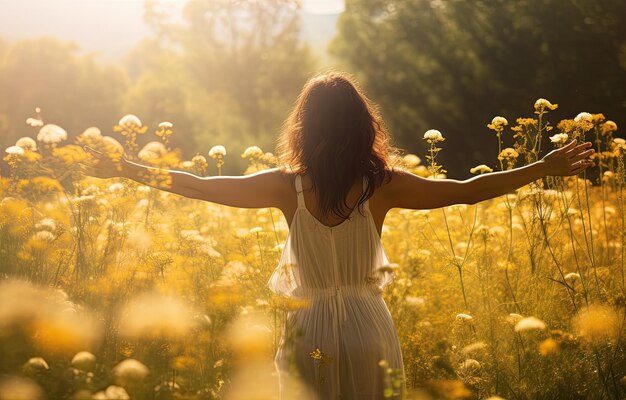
[299,191]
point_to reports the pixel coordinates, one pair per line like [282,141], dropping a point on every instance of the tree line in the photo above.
[231,70]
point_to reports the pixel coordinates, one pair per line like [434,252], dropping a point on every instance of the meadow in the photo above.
[110,289]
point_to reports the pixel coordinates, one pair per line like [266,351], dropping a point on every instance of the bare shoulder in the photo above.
[282,181]
[395,178]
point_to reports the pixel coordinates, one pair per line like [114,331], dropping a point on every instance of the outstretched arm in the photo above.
[258,190]
[407,190]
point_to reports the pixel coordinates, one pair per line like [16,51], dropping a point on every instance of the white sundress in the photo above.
[335,344]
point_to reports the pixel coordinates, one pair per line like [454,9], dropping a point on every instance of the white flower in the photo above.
[415,301]
[474,347]
[44,236]
[155,315]
[15,150]
[152,151]
[572,276]
[166,125]
[130,370]
[469,367]
[217,151]
[482,168]
[387,268]
[47,224]
[27,143]
[529,323]
[464,318]
[499,121]
[130,120]
[116,393]
[36,364]
[583,117]
[84,361]
[83,199]
[542,104]
[34,122]
[252,152]
[51,133]
[256,230]
[433,135]
[92,132]
[559,138]
[116,187]
[514,318]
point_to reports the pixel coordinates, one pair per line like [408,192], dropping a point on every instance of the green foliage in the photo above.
[72,90]
[452,65]
[236,66]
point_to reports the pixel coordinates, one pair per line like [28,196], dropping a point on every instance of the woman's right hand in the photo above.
[101,165]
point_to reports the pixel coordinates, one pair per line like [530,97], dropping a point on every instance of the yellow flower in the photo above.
[608,127]
[548,346]
[252,152]
[411,160]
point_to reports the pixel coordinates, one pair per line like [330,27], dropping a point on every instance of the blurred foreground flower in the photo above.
[56,325]
[597,323]
[13,387]
[130,371]
[84,360]
[155,315]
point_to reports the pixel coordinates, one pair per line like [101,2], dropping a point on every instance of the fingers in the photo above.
[576,150]
[579,167]
[582,155]
[567,147]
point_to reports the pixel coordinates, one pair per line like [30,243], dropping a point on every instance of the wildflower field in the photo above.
[110,289]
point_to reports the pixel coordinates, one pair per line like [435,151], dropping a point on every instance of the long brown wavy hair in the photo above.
[336,135]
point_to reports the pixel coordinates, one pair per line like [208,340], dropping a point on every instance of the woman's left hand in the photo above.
[569,159]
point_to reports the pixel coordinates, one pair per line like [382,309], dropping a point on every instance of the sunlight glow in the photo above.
[323,6]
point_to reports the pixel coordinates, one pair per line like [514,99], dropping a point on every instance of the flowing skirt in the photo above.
[343,346]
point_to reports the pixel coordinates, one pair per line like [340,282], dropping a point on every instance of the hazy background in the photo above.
[227,72]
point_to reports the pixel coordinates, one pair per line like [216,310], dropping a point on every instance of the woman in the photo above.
[335,186]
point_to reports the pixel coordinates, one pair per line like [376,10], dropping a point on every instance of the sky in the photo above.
[110,28]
